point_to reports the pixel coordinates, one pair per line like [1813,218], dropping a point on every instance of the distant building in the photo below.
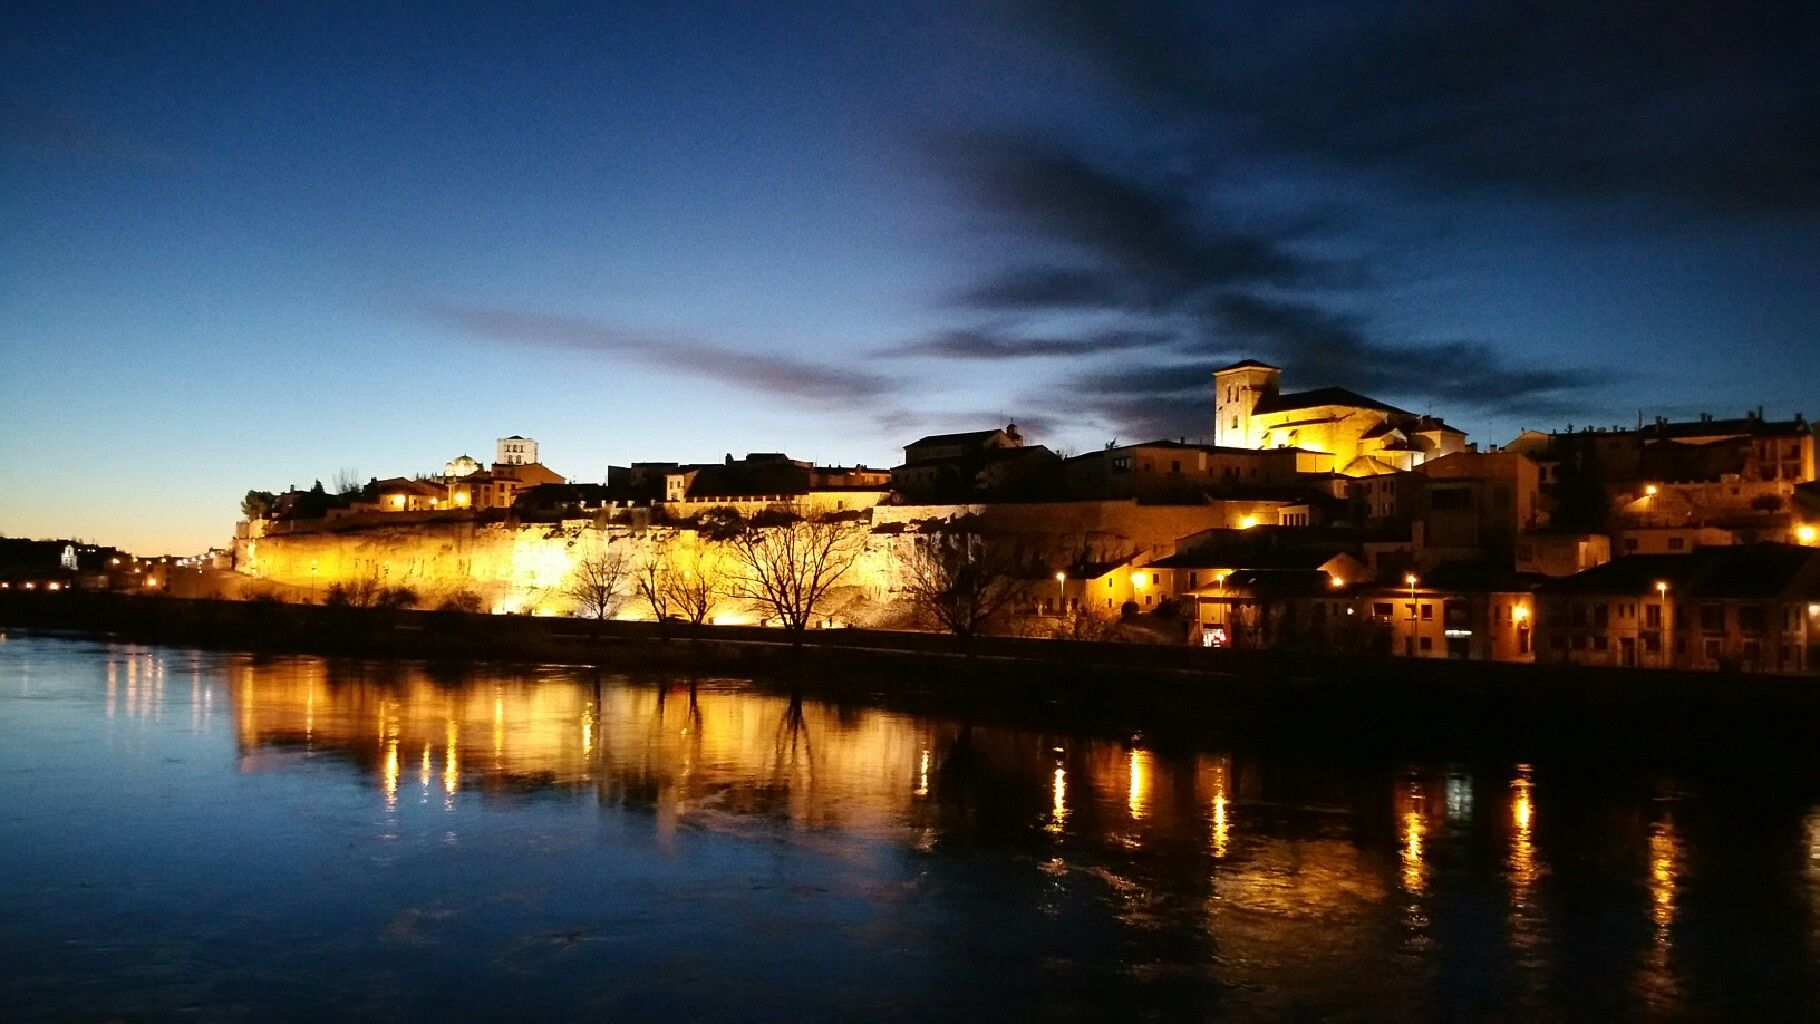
[404,495]
[1175,470]
[1753,608]
[1476,504]
[516,450]
[955,465]
[760,481]
[1690,471]
[1250,411]
[460,465]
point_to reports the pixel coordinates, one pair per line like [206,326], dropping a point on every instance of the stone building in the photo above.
[1753,608]
[1251,411]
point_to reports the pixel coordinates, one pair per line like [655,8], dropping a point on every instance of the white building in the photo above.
[516,451]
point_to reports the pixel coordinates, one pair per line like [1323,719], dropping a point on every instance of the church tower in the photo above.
[1237,389]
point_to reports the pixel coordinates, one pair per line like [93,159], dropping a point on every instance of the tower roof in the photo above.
[1244,364]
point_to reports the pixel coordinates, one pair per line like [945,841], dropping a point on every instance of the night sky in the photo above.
[256,245]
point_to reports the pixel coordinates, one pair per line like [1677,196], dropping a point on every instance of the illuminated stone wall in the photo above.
[516,570]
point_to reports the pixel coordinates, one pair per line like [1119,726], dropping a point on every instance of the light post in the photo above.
[1061,593]
[1667,620]
[1409,647]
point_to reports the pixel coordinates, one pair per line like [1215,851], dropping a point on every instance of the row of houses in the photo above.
[1322,517]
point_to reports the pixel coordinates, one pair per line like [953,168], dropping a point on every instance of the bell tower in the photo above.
[1237,389]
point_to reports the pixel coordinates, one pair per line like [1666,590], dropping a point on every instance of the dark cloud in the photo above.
[983,343]
[1316,344]
[771,374]
[1712,105]
[1184,284]
[1045,287]
[1162,238]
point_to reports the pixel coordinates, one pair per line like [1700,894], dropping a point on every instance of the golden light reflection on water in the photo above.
[451,772]
[1222,828]
[1413,827]
[1137,797]
[1664,867]
[391,772]
[1522,848]
[1284,869]
[1525,920]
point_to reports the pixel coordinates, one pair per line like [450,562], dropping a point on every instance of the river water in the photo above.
[219,836]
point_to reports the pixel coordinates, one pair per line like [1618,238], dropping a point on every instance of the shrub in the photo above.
[396,597]
[461,601]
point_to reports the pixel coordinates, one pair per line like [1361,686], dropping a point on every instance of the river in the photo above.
[220,836]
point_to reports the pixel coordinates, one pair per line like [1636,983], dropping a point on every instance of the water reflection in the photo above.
[1262,886]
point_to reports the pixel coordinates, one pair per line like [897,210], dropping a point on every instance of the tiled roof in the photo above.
[1741,571]
[1323,396]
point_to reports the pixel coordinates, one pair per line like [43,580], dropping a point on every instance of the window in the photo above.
[1712,618]
[1193,580]
[1677,543]
[1428,643]
[1381,609]
[1753,618]
[1450,499]
[1630,544]
[1428,612]
[1175,465]
[1652,616]
[1601,615]
[1652,643]
[1599,643]
[1712,650]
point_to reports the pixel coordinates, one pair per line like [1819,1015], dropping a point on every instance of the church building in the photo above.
[1363,436]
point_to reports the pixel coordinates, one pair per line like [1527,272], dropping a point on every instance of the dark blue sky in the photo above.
[251,246]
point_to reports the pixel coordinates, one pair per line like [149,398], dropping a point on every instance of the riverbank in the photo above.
[1443,707]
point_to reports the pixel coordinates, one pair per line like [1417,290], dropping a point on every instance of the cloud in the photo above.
[1312,343]
[1162,237]
[984,343]
[1044,287]
[1185,290]
[774,375]
[1709,106]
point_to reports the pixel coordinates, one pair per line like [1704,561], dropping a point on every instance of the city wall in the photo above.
[520,569]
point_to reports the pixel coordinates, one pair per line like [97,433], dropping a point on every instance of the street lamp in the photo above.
[1061,592]
[1409,642]
[1667,621]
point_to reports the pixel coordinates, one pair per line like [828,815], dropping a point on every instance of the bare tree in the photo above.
[789,567]
[653,581]
[696,583]
[965,580]
[597,583]
[347,481]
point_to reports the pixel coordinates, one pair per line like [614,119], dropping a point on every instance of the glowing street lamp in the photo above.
[1805,534]
[1061,592]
